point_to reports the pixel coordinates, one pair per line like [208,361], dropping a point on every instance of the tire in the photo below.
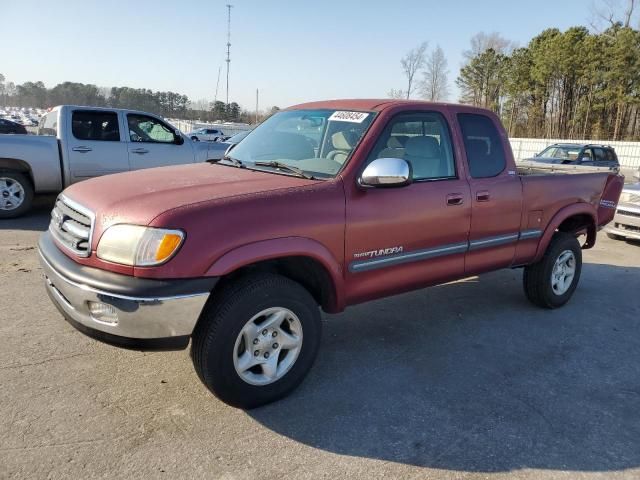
[538,278]
[195,139]
[16,194]
[613,236]
[219,336]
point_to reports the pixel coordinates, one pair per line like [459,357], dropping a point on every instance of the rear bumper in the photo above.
[626,223]
[148,313]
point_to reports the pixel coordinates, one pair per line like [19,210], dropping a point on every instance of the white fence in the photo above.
[628,152]
[228,128]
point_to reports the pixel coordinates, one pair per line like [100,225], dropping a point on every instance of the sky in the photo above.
[292,51]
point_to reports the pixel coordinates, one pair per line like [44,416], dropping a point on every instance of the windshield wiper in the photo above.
[235,161]
[284,166]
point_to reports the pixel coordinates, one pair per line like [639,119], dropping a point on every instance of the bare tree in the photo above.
[481,42]
[412,63]
[396,94]
[608,13]
[434,85]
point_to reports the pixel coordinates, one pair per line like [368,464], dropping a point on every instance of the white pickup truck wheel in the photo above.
[256,340]
[16,194]
[550,283]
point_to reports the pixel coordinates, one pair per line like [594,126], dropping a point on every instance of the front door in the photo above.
[415,235]
[94,146]
[496,194]
[152,143]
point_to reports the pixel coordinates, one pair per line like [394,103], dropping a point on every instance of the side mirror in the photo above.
[177,138]
[386,172]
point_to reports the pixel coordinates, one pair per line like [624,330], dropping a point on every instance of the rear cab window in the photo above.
[483,144]
[49,124]
[95,125]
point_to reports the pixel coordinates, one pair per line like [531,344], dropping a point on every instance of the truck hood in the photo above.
[139,197]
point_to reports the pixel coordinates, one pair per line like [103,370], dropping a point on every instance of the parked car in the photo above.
[238,255]
[571,156]
[206,134]
[218,149]
[76,143]
[7,126]
[626,223]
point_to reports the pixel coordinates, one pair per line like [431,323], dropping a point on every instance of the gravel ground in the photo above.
[465,380]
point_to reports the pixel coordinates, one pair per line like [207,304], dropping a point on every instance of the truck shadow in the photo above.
[470,377]
[37,219]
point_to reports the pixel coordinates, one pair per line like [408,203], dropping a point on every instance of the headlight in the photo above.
[138,246]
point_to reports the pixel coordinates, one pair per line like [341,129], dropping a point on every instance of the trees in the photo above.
[572,84]
[412,63]
[434,86]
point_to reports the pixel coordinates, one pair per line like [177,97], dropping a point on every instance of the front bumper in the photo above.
[626,223]
[150,313]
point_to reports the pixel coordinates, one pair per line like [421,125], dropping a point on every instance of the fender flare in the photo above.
[283,247]
[564,213]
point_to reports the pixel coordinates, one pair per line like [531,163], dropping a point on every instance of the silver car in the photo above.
[626,223]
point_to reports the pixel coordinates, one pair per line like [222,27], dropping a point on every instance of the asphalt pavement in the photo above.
[464,380]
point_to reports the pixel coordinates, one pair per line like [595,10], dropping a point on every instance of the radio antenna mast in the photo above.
[229,7]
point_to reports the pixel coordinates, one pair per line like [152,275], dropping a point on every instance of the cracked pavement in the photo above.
[465,380]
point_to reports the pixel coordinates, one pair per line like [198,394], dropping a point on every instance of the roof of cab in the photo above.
[370,104]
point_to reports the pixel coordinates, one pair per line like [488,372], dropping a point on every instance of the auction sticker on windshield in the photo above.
[342,116]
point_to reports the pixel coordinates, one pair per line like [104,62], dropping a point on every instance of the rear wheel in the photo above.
[195,139]
[256,340]
[550,283]
[16,194]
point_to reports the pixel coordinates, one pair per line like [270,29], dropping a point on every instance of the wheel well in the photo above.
[307,271]
[16,165]
[580,224]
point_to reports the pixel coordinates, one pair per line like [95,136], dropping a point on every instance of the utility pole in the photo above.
[215,98]
[229,7]
[256,105]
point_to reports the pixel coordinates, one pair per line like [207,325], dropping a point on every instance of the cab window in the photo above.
[143,128]
[483,144]
[96,126]
[423,140]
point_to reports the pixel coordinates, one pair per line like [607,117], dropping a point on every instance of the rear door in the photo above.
[152,143]
[94,145]
[496,194]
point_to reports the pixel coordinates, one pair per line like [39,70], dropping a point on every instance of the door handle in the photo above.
[454,199]
[483,196]
[140,151]
[82,149]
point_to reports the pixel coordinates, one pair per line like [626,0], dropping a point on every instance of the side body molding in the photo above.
[561,216]
[283,247]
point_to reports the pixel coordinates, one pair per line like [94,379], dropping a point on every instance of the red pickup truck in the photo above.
[325,204]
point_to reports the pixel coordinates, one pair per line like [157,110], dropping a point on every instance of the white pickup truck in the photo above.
[76,143]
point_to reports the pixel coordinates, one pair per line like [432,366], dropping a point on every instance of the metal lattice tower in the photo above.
[229,7]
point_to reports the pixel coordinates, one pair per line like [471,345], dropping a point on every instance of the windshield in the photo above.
[318,142]
[565,153]
[238,136]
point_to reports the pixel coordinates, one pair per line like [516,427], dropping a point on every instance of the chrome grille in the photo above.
[72,225]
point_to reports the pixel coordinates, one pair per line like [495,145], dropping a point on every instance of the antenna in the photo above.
[229,7]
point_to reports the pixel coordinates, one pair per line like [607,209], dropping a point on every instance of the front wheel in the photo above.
[256,340]
[550,283]
[16,194]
